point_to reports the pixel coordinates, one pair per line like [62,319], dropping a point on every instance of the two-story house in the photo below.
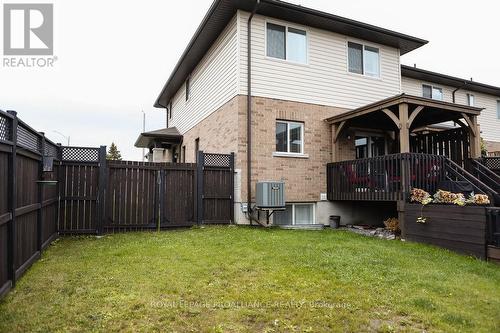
[266,79]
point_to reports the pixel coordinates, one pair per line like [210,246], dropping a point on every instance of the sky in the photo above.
[113,58]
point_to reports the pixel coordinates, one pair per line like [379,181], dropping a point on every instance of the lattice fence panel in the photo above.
[80,154]
[5,132]
[492,163]
[28,139]
[50,150]
[217,160]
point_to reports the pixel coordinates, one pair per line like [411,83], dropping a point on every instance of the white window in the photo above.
[432,92]
[286,43]
[289,137]
[470,100]
[363,59]
[299,213]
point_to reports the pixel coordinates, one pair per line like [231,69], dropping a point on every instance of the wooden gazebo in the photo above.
[404,115]
[422,152]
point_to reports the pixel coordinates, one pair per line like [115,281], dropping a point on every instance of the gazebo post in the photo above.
[475,138]
[404,131]
[404,147]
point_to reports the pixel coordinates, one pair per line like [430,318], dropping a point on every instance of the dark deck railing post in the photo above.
[39,217]
[101,190]
[12,200]
[199,186]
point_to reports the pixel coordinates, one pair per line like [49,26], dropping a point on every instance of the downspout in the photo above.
[457,89]
[249,111]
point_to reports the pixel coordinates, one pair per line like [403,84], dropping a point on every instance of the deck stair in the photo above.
[478,176]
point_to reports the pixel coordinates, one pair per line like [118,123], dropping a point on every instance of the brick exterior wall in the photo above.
[305,178]
[217,132]
[224,131]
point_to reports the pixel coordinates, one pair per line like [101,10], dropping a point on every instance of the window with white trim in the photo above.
[470,100]
[286,43]
[363,59]
[289,137]
[432,92]
[498,109]
[297,213]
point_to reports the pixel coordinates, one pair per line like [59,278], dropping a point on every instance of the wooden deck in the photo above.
[384,178]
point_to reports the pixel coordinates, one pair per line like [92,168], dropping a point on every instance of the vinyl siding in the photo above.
[325,80]
[490,124]
[213,82]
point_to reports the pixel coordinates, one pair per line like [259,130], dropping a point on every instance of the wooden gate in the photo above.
[107,196]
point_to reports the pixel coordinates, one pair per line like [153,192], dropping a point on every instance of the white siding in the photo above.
[490,124]
[213,82]
[325,80]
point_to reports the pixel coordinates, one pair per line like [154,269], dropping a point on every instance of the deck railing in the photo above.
[384,178]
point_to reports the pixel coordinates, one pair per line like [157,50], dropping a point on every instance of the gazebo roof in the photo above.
[423,112]
[163,136]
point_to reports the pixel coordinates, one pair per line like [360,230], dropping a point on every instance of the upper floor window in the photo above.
[363,59]
[169,110]
[286,43]
[289,137]
[470,100]
[188,88]
[498,109]
[432,92]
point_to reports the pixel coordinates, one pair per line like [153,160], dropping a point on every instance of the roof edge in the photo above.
[235,5]
[186,50]
[453,81]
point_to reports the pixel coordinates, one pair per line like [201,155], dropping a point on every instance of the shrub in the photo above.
[392,224]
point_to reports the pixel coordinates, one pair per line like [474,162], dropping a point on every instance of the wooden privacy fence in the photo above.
[452,143]
[105,196]
[28,206]
[47,189]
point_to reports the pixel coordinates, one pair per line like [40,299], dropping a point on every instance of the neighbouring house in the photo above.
[293,89]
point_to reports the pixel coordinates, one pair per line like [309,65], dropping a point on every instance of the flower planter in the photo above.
[461,229]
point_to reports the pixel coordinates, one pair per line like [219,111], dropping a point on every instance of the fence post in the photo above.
[12,198]
[101,190]
[199,186]
[231,170]
[59,179]
[39,214]
[161,197]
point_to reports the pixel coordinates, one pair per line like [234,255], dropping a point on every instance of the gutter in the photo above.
[249,111]
[457,89]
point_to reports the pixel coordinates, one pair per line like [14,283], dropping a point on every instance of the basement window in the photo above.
[286,43]
[289,137]
[295,214]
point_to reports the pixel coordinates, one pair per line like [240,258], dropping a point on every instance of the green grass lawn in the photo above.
[232,279]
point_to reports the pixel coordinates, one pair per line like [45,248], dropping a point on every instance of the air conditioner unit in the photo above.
[270,194]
